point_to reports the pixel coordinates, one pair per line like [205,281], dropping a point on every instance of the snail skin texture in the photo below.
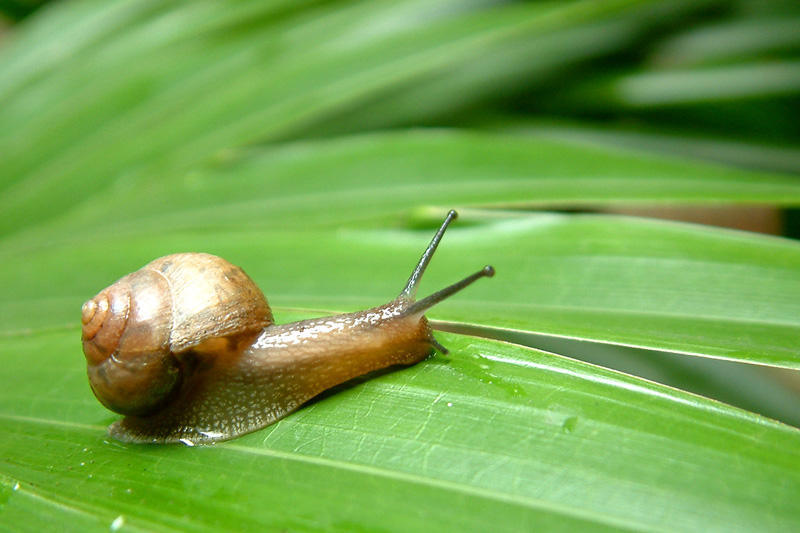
[186,348]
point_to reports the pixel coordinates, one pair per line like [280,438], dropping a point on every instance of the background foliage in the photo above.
[317,144]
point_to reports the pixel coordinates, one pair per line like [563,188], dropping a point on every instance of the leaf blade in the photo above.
[492,429]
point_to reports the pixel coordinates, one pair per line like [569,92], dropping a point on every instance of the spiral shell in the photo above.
[135,331]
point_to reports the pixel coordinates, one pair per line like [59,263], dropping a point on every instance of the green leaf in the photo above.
[737,153]
[745,37]
[648,284]
[491,433]
[294,185]
[696,86]
[155,94]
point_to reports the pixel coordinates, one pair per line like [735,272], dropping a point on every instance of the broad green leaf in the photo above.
[626,281]
[492,436]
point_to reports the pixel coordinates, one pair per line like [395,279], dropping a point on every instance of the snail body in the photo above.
[186,348]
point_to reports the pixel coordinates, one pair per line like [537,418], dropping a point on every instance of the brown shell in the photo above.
[133,329]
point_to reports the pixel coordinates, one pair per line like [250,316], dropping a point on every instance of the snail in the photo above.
[187,350]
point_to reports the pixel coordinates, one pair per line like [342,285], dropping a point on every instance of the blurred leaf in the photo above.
[185,82]
[298,184]
[738,153]
[18,9]
[748,37]
[694,86]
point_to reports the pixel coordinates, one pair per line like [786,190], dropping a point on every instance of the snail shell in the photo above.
[133,330]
